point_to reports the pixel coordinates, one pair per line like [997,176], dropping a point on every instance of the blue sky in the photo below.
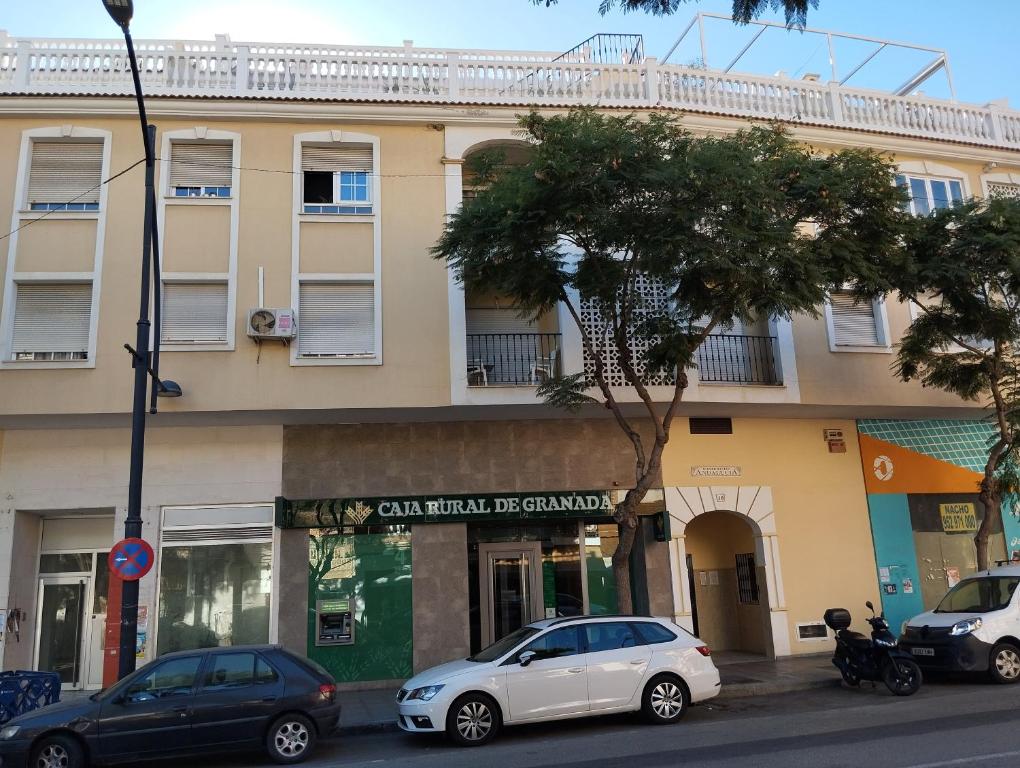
[980,35]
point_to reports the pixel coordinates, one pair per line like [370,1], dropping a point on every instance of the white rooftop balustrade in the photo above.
[222,68]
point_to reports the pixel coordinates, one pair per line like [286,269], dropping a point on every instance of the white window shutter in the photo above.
[336,319]
[194,312]
[60,171]
[201,164]
[853,324]
[52,317]
[344,156]
[497,321]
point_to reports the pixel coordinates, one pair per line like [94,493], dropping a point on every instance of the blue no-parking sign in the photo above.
[130,559]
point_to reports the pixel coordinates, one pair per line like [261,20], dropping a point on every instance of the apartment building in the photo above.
[362,471]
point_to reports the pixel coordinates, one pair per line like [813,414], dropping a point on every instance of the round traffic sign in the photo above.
[130,559]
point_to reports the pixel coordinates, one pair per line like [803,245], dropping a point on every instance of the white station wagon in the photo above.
[562,668]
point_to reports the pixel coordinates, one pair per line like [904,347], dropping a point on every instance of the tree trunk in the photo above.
[992,500]
[621,564]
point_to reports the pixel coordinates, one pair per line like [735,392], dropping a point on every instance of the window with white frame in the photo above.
[194,312]
[929,193]
[855,323]
[336,178]
[52,321]
[336,319]
[201,168]
[65,175]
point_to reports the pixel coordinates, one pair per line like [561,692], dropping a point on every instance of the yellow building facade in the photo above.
[359,467]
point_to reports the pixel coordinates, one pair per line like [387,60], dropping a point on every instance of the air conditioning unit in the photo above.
[271,323]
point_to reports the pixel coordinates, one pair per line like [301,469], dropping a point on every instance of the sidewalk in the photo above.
[742,675]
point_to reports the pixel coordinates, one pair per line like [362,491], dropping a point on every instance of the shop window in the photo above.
[747,579]
[76,562]
[214,594]
[599,545]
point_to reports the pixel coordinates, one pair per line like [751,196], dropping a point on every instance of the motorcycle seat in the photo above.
[854,639]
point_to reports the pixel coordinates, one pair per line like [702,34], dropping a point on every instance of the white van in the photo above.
[975,628]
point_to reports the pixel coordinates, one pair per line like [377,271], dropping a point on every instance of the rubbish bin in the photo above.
[22,691]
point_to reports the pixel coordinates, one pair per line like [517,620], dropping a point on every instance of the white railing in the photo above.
[275,70]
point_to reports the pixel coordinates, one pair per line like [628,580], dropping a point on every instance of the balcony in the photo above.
[222,68]
[512,359]
[737,359]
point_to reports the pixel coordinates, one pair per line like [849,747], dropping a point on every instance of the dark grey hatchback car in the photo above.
[188,702]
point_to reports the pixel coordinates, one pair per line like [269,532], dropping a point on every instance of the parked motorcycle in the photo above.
[858,657]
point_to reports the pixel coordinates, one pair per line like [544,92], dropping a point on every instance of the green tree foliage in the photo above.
[743,10]
[960,268]
[749,225]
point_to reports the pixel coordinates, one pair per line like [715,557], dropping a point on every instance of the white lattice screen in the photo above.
[598,328]
[1003,189]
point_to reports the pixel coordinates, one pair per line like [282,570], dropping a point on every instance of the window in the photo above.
[610,636]
[928,194]
[65,175]
[194,313]
[653,633]
[854,323]
[201,168]
[747,579]
[711,426]
[232,670]
[337,178]
[51,321]
[559,642]
[172,678]
[336,319]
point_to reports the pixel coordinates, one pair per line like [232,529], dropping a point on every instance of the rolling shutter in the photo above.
[336,157]
[52,317]
[63,170]
[497,321]
[194,312]
[853,323]
[201,164]
[337,319]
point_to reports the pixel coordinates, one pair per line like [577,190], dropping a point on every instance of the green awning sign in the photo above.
[404,510]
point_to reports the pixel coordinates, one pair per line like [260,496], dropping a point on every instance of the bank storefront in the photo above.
[398,583]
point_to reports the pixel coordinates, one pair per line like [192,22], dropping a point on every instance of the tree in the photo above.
[606,203]
[960,269]
[743,10]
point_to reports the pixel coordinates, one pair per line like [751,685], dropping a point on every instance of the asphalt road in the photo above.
[946,725]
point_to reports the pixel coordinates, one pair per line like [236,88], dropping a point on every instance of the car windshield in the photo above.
[980,595]
[500,647]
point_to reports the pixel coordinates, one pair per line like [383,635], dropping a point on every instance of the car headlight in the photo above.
[9,732]
[425,694]
[965,627]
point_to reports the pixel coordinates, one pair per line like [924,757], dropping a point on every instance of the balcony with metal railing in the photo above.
[607,72]
[512,359]
[736,359]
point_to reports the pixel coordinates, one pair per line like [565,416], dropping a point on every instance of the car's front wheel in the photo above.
[1005,666]
[57,751]
[290,739]
[665,700]
[473,720]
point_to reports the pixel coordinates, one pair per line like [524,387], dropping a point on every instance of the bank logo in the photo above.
[883,467]
[359,513]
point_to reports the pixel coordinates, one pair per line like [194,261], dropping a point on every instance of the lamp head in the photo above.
[167,388]
[120,11]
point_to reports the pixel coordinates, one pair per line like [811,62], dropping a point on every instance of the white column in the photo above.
[682,612]
[455,292]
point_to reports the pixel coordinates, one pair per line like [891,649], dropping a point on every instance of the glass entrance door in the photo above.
[62,627]
[511,589]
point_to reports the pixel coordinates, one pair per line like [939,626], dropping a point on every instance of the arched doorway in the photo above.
[729,592]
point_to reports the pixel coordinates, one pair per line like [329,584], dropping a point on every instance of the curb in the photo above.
[732,691]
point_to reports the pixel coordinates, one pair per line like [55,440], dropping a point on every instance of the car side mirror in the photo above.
[526,658]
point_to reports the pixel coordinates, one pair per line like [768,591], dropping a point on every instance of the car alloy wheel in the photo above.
[291,739]
[667,700]
[52,756]
[1007,663]
[474,721]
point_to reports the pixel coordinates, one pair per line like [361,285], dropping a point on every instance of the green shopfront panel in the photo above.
[373,571]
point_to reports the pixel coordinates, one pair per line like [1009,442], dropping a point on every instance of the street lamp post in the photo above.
[121,12]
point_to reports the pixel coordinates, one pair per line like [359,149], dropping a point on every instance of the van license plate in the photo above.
[923,651]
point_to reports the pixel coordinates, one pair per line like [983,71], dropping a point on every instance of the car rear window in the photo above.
[653,633]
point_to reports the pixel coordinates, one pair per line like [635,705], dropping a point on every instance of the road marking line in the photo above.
[966,760]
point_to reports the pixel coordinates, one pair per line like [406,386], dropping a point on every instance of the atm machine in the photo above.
[334,622]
